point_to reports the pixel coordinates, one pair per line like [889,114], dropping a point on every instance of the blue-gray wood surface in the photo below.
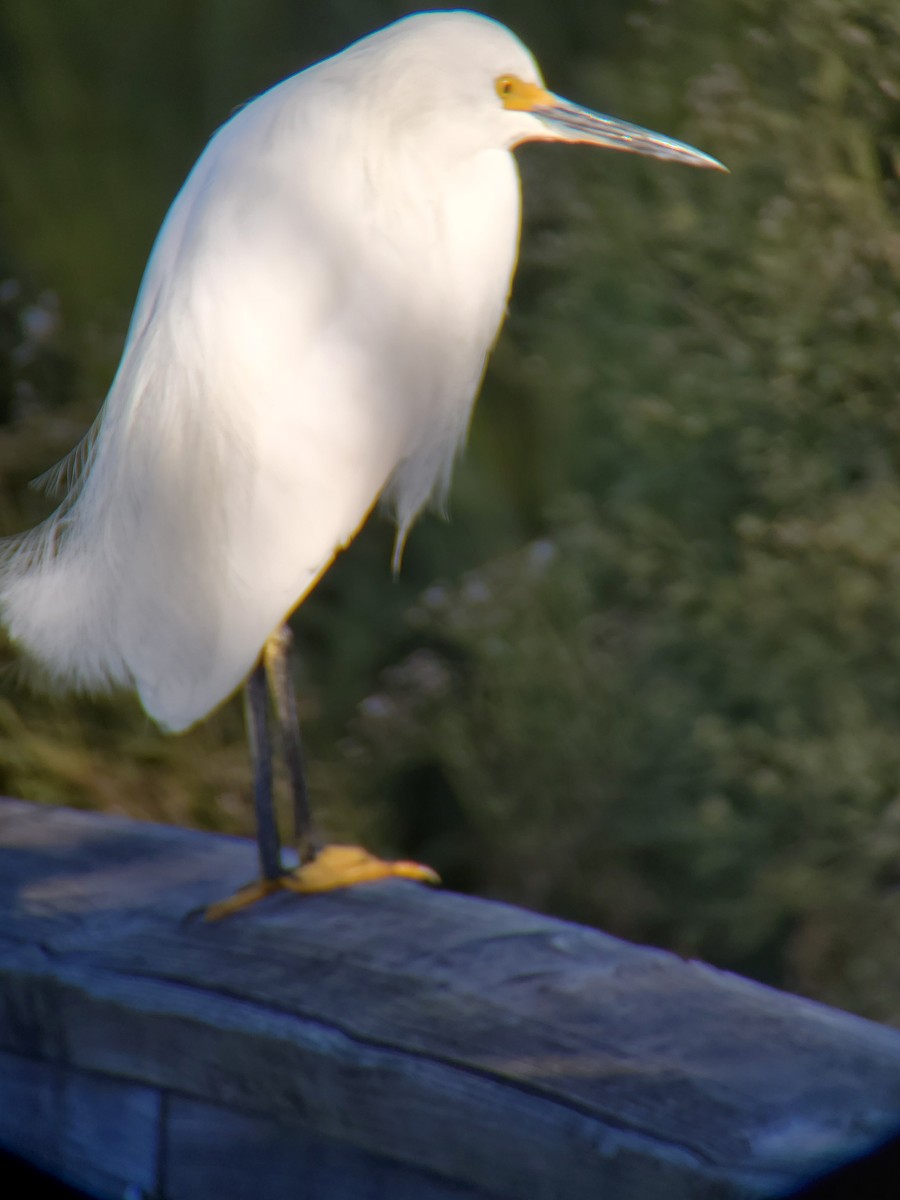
[389,1041]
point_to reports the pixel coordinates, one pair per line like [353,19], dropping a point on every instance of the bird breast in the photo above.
[371,285]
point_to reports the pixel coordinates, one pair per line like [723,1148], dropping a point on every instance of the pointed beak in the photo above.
[566,122]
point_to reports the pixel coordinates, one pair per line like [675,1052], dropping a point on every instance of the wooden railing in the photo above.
[389,1042]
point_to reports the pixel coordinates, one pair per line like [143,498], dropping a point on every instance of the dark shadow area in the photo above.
[875,1176]
[21,1178]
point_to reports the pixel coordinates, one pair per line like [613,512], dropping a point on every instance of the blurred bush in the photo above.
[650,677]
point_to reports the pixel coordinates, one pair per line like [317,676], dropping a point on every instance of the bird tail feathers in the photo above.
[52,608]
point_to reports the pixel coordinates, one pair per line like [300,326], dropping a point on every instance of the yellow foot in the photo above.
[243,898]
[344,866]
[333,867]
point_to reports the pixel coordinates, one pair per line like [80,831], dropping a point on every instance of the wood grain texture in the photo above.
[211,1151]
[496,1049]
[93,1132]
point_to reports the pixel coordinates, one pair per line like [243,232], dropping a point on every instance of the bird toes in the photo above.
[338,866]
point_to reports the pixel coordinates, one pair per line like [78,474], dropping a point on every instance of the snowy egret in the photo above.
[309,336]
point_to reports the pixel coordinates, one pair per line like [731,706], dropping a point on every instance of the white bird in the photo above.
[309,336]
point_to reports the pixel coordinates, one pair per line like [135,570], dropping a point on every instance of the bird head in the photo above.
[466,82]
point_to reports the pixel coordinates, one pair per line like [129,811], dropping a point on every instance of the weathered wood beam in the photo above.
[413,1043]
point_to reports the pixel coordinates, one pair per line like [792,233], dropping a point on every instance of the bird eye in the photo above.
[505,86]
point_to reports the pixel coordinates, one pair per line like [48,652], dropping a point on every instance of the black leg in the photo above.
[256,702]
[277,660]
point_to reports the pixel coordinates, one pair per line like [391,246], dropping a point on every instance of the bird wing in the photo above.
[291,352]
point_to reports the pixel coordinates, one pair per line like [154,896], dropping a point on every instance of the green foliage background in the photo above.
[649,677]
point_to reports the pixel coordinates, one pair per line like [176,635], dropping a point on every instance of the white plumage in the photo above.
[310,334]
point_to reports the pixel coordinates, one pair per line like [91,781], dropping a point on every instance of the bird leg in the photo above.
[277,661]
[259,736]
[322,868]
[256,712]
